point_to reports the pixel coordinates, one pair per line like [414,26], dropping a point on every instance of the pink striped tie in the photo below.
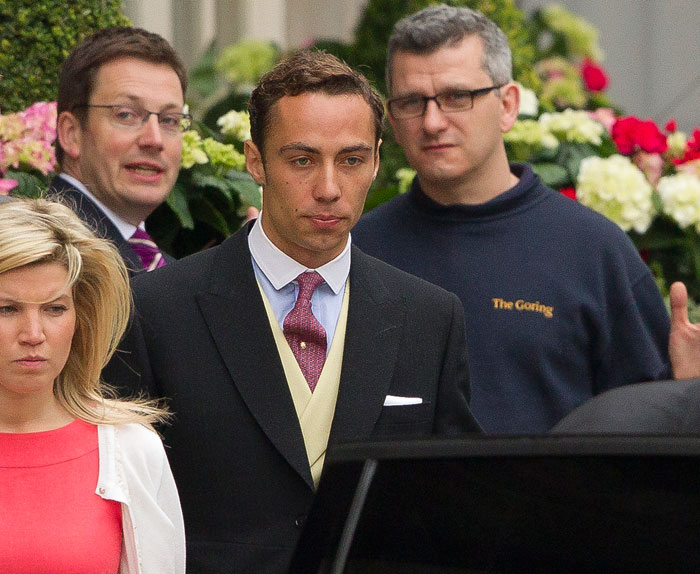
[147,250]
[305,335]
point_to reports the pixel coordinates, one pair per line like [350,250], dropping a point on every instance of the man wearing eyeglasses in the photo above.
[120,122]
[558,304]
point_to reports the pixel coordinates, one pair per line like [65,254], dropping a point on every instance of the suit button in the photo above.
[299,522]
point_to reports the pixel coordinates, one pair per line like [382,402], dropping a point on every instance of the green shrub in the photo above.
[36,36]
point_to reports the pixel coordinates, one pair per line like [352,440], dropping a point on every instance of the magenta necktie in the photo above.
[305,335]
[147,250]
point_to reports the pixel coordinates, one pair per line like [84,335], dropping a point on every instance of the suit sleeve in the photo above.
[453,415]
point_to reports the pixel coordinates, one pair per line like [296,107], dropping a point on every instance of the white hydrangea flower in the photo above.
[192,151]
[531,133]
[236,124]
[680,196]
[616,188]
[528,101]
[573,126]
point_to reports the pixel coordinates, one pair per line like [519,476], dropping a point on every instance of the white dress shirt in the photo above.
[276,272]
[126,229]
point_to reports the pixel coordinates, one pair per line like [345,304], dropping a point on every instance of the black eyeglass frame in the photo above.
[146,114]
[436,98]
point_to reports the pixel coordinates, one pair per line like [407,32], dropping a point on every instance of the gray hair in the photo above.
[436,26]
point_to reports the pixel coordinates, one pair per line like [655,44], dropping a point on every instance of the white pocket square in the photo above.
[393,401]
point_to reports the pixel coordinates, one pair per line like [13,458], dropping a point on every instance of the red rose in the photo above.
[623,134]
[594,77]
[569,192]
[671,126]
[689,155]
[650,139]
[631,134]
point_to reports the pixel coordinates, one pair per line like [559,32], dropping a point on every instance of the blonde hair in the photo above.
[37,231]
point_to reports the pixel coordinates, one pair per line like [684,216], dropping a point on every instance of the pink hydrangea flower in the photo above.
[605,116]
[651,164]
[27,138]
[6,185]
[40,121]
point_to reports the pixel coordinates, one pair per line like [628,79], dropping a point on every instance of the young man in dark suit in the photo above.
[260,380]
[119,135]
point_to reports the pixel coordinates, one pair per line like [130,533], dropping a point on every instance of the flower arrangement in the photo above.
[645,179]
[569,61]
[212,191]
[26,147]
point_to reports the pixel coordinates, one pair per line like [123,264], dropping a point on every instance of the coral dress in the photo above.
[51,519]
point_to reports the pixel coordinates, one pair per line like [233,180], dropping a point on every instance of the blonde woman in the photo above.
[85,486]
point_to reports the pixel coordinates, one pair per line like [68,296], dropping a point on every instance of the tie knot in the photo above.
[140,236]
[308,282]
[146,249]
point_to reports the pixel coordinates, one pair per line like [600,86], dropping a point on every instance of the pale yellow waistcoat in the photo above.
[314,410]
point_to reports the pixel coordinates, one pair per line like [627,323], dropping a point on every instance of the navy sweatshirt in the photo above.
[558,304]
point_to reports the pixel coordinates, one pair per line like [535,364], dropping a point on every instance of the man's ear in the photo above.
[510,101]
[69,134]
[254,162]
[376,160]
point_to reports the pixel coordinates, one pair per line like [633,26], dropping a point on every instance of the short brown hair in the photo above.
[303,72]
[76,81]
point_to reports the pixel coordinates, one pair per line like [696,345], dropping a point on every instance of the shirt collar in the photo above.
[126,229]
[281,269]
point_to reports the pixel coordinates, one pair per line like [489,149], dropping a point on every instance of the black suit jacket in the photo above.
[201,338]
[645,408]
[96,219]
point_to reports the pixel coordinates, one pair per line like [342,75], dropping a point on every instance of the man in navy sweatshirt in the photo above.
[559,305]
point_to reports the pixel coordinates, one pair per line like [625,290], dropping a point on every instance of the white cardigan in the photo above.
[135,472]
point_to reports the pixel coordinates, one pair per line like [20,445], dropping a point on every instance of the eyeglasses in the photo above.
[408,107]
[133,118]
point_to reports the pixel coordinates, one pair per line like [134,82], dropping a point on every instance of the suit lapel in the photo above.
[234,312]
[375,321]
[96,220]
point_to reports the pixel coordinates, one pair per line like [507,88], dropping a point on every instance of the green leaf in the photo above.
[204,180]
[607,148]
[658,242]
[551,174]
[177,201]
[380,195]
[574,154]
[29,185]
[248,191]
[205,211]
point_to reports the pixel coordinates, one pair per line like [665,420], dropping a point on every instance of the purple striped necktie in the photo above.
[305,335]
[147,250]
